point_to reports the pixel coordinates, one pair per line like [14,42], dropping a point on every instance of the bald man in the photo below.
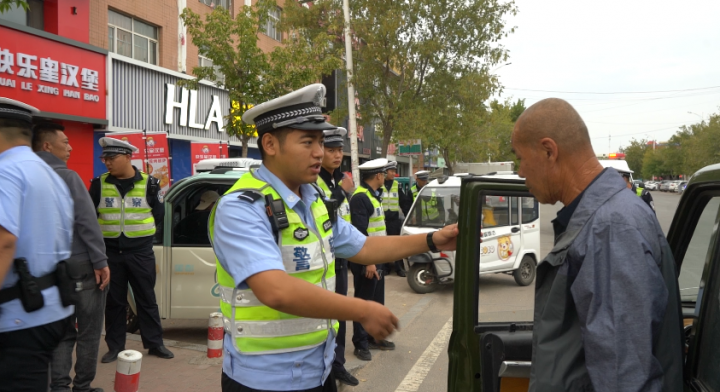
[607,305]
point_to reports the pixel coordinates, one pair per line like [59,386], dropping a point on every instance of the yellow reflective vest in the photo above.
[376,224]
[130,215]
[307,254]
[344,208]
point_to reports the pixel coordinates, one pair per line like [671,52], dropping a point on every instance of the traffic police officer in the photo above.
[638,190]
[367,215]
[36,225]
[428,209]
[276,240]
[392,193]
[130,212]
[336,187]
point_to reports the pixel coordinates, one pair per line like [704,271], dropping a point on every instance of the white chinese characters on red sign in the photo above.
[53,76]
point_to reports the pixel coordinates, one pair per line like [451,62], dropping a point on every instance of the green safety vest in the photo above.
[376,225]
[344,208]
[414,191]
[429,207]
[391,198]
[130,215]
[639,191]
[307,254]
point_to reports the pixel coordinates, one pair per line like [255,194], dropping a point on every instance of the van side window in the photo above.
[530,209]
[514,211]
[496,211]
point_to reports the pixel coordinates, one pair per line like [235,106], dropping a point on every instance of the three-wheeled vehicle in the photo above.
[186,285]
[510,235]
[496,356]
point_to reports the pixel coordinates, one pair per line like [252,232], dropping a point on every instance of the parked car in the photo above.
[673,186]
[651,185]
[186,286]
[664,185]
[681,187]
[495,355]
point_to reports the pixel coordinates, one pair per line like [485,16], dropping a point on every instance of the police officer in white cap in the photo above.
[421,179]
[130,212]
[638,189]
[276,239]
[36,225]
[392,195]
[338,186]
[367,215]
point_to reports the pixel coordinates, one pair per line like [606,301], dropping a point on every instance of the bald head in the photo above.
[555,119]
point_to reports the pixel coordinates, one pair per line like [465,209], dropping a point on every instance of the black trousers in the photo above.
[341,287]
[230,385]
[25,356]
[367,289]
[392,227]
[138,269]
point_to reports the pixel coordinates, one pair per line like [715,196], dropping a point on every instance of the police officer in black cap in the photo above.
[130,213]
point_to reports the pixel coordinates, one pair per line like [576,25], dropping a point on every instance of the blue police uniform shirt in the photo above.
[35,207]
[244,245]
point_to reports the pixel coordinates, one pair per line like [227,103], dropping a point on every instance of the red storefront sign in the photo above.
[52,76]
[154,151]
[200,151]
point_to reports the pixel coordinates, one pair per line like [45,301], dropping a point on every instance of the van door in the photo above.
[500,233]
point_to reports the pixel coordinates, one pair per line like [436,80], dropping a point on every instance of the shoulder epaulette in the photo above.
[250,196]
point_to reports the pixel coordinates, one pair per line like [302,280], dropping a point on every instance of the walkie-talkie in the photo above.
[276,212]
[30,294]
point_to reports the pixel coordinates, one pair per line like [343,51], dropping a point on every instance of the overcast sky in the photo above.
[618,46]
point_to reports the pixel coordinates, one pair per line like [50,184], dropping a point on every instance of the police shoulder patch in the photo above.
[327,225]
[300,233]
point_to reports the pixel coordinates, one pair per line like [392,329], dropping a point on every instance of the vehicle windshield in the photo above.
[435,207]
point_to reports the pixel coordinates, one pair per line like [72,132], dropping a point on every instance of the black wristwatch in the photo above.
[430,242]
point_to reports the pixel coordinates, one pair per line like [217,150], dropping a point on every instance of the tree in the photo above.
[635,155]
[240,66]
[410,54]
[6,5]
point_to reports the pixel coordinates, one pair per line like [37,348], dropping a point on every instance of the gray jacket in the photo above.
[88,243]
[607,304]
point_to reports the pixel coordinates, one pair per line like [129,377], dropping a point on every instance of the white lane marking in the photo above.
[420,370]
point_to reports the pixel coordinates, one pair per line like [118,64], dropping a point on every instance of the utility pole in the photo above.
[352,121]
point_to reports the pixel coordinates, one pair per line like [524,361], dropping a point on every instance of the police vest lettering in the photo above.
[391,198]
[130,215]
[307,254]
[344,208]
[376,224]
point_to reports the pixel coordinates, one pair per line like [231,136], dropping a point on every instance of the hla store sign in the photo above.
[188,107]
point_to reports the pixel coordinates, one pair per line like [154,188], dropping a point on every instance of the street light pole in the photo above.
[352,121]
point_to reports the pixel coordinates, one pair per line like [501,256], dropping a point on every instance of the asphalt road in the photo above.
[420,361]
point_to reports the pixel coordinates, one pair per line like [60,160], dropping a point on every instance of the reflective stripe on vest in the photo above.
[130,215]
[414,191]
[376,224]
[391,198]
[307,254]
[344,208]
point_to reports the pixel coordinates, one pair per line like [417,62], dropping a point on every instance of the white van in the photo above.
[510,234]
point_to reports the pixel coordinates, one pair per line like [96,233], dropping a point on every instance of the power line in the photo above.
[641,133]
[613,92]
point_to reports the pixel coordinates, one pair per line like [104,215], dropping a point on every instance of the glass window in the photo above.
[496,211]
[435,207]
[141,48]
[697,252]
[15,14]
[530,209]
[133,38]
[217,3]
[35,15]
[206,62]
[271,29]
[514,211]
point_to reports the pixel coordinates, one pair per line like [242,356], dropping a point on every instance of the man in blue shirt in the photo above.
[36,223]
[291,143]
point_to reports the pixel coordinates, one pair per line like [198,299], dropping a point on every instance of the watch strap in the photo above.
[430,242]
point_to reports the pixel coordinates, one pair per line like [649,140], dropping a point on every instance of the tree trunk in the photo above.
[387,135]
[245,139]
[446,156]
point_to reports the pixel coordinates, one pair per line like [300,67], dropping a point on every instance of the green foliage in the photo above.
[416,62]
[6,5]
[635,155]
[250,75]
[691,148]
